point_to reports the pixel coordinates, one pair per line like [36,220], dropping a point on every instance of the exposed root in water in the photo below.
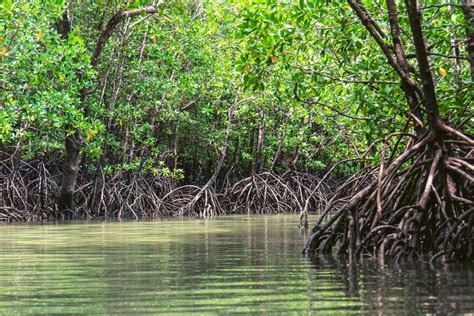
[262,193]
[126,197]
[191,200]
[271,193]
[28,192]
[419,203]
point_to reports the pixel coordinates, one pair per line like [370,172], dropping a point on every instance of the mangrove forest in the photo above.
[290,157]
[355,116]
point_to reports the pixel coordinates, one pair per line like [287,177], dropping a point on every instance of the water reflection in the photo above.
[239,264]
[407,289]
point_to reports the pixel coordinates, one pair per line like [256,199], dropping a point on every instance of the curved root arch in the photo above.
[28,192]
[191,200]
[420,203]
[267,192]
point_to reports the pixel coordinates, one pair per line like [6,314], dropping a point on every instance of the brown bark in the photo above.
[431,103]
[468,9]
[71,163]
[410,93]
[260,142]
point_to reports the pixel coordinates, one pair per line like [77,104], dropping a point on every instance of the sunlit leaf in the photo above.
[89,136]
[442,71]
[4,51]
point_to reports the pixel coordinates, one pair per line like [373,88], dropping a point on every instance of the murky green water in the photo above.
[226,265]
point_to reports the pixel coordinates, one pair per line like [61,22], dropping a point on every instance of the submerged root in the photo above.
[418,204]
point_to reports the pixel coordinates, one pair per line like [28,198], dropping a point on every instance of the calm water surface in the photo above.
[227,265]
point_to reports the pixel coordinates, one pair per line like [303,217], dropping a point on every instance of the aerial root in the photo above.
[191,200]
[28,193]
[420,204]
[267,192]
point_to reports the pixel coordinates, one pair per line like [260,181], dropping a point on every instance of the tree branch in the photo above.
[410,93]
[114,21]
[368,22]
[424,67]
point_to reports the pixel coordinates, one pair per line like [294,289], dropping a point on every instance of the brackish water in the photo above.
[226,265]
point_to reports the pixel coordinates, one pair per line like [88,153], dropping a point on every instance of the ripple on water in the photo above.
[233,264]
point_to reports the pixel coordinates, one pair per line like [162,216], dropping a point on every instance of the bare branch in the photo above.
[368,22]
[115,20]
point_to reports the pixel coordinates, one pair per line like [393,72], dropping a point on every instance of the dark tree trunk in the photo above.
[410,93]
[468,9]
[175,147]
[431,103]
[294,162]
[71,163]
[456,52]
[251,164]
[63,26]
[281,138]
[73,144]
[260,142]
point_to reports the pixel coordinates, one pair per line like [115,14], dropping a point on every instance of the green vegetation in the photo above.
[360,110]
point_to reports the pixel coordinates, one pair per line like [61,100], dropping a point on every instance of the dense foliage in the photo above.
[160,92]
